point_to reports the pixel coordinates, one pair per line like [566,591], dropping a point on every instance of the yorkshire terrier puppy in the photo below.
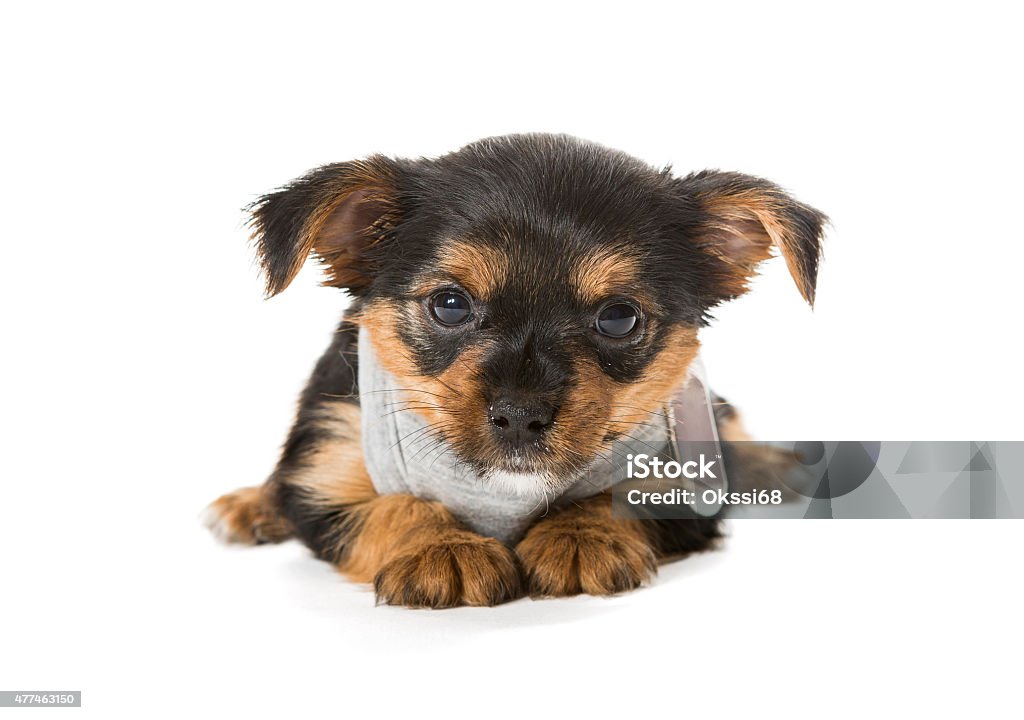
[522,309]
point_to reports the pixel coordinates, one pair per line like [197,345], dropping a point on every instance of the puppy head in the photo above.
[537,297]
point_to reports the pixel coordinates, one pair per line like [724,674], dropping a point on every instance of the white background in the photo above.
[143,375]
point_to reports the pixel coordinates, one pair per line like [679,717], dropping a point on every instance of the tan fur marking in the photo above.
[336,474]
[446,399]
[456,568]
[603,274]
[481,269]
[382,319]
[417,555]
[623,405]
[382,525]
[583,549]
[663,377]
[247,516]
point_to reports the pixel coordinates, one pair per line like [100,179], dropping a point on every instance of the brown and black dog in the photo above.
[533,295]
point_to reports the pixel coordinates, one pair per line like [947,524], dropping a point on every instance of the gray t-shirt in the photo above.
[401,458]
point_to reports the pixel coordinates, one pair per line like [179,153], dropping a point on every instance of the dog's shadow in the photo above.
[319,589]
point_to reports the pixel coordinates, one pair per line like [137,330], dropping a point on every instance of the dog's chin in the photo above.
[526,477]
[520,484]
[532,472]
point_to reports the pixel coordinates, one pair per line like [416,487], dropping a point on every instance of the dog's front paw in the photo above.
[458,568]
[243,516]
[578,552]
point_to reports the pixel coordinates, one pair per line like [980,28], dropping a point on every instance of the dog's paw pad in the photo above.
[462,569]
[597,560]
[241,517]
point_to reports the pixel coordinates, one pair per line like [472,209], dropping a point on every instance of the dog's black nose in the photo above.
[520,423]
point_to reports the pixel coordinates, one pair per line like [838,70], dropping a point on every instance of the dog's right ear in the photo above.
[336,212]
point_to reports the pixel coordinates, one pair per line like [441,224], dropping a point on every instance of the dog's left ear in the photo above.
[741,218]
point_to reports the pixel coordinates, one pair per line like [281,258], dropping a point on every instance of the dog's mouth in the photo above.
[548,463]
[523,475]
[537,460]
[534,461]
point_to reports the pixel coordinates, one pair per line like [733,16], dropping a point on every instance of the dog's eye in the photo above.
[451,308]
[617,320]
